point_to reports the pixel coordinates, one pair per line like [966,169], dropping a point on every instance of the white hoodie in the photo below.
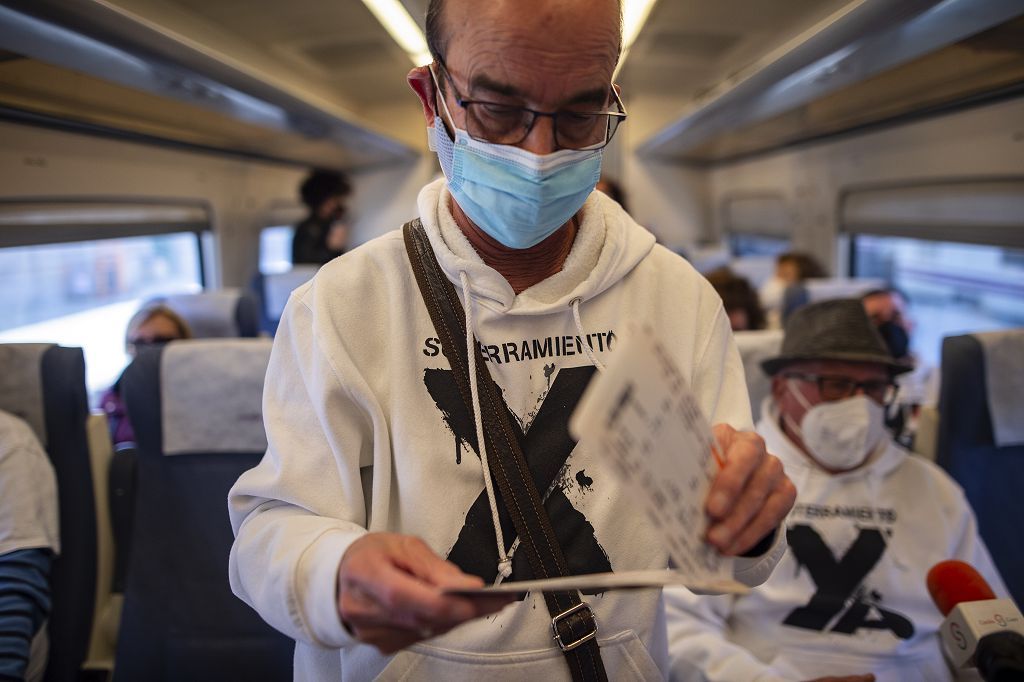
[864,539]
[367,433]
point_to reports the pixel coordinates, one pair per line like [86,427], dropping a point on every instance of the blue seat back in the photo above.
[45,385]
[992,477]
[275,289]
[181,621]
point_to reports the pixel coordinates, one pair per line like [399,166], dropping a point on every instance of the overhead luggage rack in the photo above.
[161,86]
[871,63]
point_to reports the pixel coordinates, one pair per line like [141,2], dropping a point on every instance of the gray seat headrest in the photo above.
[21,384]
[212,395]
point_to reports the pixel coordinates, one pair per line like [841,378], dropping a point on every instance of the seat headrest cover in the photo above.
[755,347]
[212,394]
[278,287]
[1004,378]
[21,384]
[211,314]
[829,288]
[756,269]
[767,341]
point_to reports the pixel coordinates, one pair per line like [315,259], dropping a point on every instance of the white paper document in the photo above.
[641,415]
[645,422]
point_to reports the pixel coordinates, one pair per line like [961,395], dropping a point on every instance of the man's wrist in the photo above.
[762,547]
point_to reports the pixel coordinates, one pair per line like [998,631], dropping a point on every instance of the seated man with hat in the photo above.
[849,600]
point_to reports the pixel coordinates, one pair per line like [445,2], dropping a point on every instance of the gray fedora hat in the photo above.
[837,329]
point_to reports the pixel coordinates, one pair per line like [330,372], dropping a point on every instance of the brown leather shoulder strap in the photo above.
[574,628]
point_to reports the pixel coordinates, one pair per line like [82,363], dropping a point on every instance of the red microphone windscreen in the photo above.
[952,582]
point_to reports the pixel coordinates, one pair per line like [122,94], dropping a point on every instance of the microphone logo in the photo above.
[958,636]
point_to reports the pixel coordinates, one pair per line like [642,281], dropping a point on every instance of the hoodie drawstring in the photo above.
[504,561]
[575,305]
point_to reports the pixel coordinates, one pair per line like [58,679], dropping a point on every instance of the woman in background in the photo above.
[782,294]
[741,302]
[154,324]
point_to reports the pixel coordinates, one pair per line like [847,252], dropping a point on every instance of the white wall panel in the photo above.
[35,162]
[977,143]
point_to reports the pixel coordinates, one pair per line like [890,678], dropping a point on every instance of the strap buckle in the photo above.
[582,606]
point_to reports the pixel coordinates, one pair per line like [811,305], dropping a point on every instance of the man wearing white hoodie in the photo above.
[850,597]
[371,498]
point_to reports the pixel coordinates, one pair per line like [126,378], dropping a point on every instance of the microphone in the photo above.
[979,630]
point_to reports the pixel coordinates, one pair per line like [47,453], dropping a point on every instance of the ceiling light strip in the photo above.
[403,29]
[634,16]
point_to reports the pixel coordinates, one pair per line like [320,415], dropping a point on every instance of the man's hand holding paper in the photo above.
[750,495]
[712,493]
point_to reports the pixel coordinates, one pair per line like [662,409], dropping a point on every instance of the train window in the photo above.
[756,224]
[83,293]
[757,245]
[953,288]
[276,249]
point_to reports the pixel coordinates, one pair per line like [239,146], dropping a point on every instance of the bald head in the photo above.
[587,29]
[547,55]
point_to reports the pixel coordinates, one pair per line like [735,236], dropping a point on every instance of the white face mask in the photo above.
[772,292]
[841,434]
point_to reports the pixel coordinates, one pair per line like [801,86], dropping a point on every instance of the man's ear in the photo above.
[422,84]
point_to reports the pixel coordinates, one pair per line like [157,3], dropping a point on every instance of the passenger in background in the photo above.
[887,309]
[869,522]
[782,294]
[153,324]
[321,236]
[613,189]
[28,542]
[739,298]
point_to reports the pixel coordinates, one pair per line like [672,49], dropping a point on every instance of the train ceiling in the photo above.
[321,82]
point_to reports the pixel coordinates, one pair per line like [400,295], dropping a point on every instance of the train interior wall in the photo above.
[679,202]
[977,143]
[240,192]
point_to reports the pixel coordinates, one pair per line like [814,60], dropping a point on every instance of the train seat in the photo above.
[44,384]
[826,288]
[755,346]
[196,407]
[755,269]
[708,257]
[983,448]
[224,313]
[107,615]
[277,287]
[840,287]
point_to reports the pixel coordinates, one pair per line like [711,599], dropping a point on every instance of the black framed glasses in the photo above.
[509,124]
[830,388]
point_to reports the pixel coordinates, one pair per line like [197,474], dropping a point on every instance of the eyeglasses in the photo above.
[838,388]
[509,124]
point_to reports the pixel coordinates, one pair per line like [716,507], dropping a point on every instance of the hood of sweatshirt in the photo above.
[609,244]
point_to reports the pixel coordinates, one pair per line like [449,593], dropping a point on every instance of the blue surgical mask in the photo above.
[517,197]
